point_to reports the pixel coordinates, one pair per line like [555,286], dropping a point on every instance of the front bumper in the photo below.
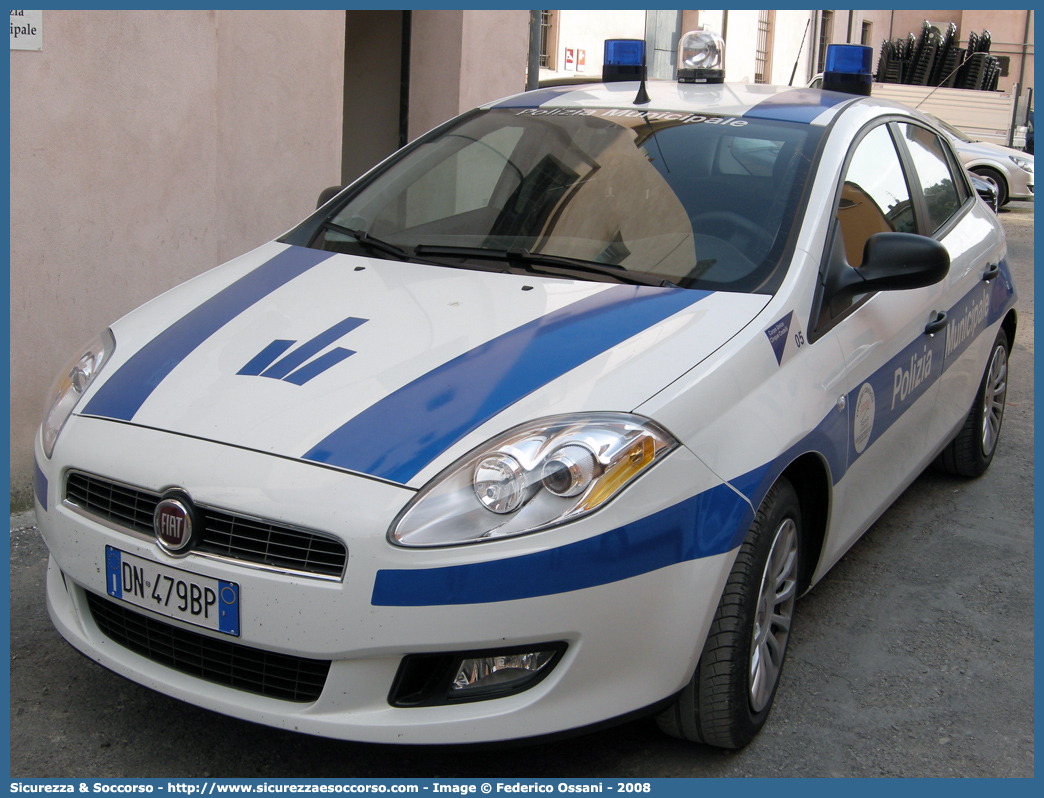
[1020,185]
[631,641]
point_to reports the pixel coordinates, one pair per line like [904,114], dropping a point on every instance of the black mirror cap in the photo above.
[893,262]
[328,194]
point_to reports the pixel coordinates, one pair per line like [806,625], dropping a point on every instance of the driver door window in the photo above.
[875,197]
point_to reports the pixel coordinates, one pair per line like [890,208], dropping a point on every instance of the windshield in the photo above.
[958,134]
[697,201]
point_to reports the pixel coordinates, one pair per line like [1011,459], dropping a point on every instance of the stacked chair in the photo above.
[934,59]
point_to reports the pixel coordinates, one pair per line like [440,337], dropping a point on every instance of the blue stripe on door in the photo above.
[710,523]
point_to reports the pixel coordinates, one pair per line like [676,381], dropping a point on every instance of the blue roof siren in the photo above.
[847,68]
[624,60]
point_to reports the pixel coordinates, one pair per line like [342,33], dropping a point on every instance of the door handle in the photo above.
[992,270]
[937,324]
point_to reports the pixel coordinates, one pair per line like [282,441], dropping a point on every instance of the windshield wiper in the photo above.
[368,241]
[530,261]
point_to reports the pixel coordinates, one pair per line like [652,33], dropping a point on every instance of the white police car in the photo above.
[545,421]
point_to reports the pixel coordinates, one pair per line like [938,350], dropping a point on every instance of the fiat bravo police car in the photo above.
[546,421]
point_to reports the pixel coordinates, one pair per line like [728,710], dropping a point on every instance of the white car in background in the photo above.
[1008,170]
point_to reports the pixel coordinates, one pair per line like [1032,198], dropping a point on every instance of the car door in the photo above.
[890,340]
[971,236]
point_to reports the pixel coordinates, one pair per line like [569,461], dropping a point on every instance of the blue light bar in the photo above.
[847,68]
[850,58]
[624,60]
[628,52]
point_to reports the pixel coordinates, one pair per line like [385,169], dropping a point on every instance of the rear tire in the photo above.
[970,453]
[728,698]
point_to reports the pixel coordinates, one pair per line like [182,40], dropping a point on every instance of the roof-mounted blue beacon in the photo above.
[624,60]
[848,68]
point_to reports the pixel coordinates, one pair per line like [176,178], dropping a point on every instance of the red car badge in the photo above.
[172,522]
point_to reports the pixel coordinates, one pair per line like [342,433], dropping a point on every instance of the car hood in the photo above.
[394,369]
[986,149]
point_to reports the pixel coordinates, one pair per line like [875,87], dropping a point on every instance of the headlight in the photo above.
[534,476]
[71,384]
[1023,163]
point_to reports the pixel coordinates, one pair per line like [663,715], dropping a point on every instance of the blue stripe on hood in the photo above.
[399,435]
[123,394]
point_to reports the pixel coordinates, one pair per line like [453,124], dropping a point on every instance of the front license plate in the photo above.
[198,600]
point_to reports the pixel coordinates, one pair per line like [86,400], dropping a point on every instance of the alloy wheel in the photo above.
[773,615]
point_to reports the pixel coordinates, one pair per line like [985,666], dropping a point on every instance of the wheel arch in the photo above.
[811,479]
[997,170]
[1009,325]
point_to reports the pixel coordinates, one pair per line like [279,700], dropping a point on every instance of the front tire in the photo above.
[971,452]
[728,698]
[995,179]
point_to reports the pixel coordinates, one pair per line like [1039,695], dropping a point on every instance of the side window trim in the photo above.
[913,180]
[957,168]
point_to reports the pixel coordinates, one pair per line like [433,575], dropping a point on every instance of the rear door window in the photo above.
[942,194]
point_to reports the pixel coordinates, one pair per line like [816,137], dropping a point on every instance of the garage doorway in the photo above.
[376,88]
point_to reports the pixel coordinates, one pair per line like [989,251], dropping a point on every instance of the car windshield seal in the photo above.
[532,260]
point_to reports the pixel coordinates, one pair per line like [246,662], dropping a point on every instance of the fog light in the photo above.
[504,672]
[426,680]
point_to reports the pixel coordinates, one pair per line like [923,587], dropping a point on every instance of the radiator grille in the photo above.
[226,534]
[120,504]
[262,672]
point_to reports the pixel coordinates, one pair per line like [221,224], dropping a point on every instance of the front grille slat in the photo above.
[225,534]
[266,673]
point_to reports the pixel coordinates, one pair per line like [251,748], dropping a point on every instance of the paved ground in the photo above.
[914,657]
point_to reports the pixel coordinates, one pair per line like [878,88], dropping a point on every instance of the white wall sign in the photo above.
[27,30]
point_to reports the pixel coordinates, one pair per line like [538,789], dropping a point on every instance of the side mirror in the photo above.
[328,194]
[891,262]
[987,191]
